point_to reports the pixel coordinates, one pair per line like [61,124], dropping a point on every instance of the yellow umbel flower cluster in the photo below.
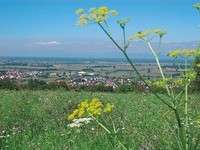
[161,33]
[197,6]
[93,108]
[160,84]
[95,15]
[184,52]
[142,35]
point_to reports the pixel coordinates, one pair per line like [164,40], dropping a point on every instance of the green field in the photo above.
[38,120]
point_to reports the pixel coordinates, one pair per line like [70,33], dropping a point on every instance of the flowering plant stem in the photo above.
[159,66]
[112,133]
[184,138]
[186,106]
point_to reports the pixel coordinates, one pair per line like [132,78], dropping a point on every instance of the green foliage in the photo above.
[38,120]
[7,84]
[124,88]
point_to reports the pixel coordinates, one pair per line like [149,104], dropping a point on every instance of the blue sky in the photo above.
[47,28]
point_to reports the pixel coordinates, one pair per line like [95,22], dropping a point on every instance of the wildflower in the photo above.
[184,52]
[160,84]
[84,104]
[113,12]
[198,65]
[197,6]
[79,122]
[161,33]
[140,34]
[71,116]
[192,75]
[93,10]
[92,17]
[108,107]
[83,120]
[102,11]
[93,108]
[188,52]
[72,125]
[100,19]
[79,11]
[179,82]
[82,22]
[123,22]
[174,53]
[147,32]
[95,15]
[81,112]
[83,16]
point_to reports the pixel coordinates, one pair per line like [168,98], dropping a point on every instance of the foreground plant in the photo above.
[94,110]
[174,100]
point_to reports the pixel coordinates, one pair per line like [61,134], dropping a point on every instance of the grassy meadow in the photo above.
[38,120]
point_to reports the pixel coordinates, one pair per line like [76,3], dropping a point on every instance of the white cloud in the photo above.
[47,43]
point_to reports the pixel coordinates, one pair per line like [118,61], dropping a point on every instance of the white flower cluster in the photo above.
[79,122]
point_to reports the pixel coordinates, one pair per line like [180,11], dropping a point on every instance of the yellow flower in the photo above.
[74,113]
[113,12]
[188,52]
[92,17]
[83,16]
[198,65]
[192,75]
[97,111]
[102,11]
[84,104]
[79,11]
[100,19]
[197,6]
[108,107]
[95,15]
[94,100]
[123,22]
[147,32]
[82,22]
[81,112]
[71,117]
[140,35]
[161,33]
[185,52]
[94,108]
[179,82]
[174,53]
[160,84]
[93,10]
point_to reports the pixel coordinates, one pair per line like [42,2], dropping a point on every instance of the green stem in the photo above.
[124,37]
[106,129]
[186,107]
[132,65]
[159,67]
[141,78]
[180,127]
[110,37]
[159,46]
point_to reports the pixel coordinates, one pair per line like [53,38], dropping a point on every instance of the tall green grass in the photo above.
[38,120]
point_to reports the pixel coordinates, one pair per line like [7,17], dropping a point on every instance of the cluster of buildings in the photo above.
[16,74]
[70,78]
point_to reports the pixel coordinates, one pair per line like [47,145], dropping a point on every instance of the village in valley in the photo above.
[81,72]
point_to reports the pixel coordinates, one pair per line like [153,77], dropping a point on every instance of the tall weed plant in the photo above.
[176,100]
